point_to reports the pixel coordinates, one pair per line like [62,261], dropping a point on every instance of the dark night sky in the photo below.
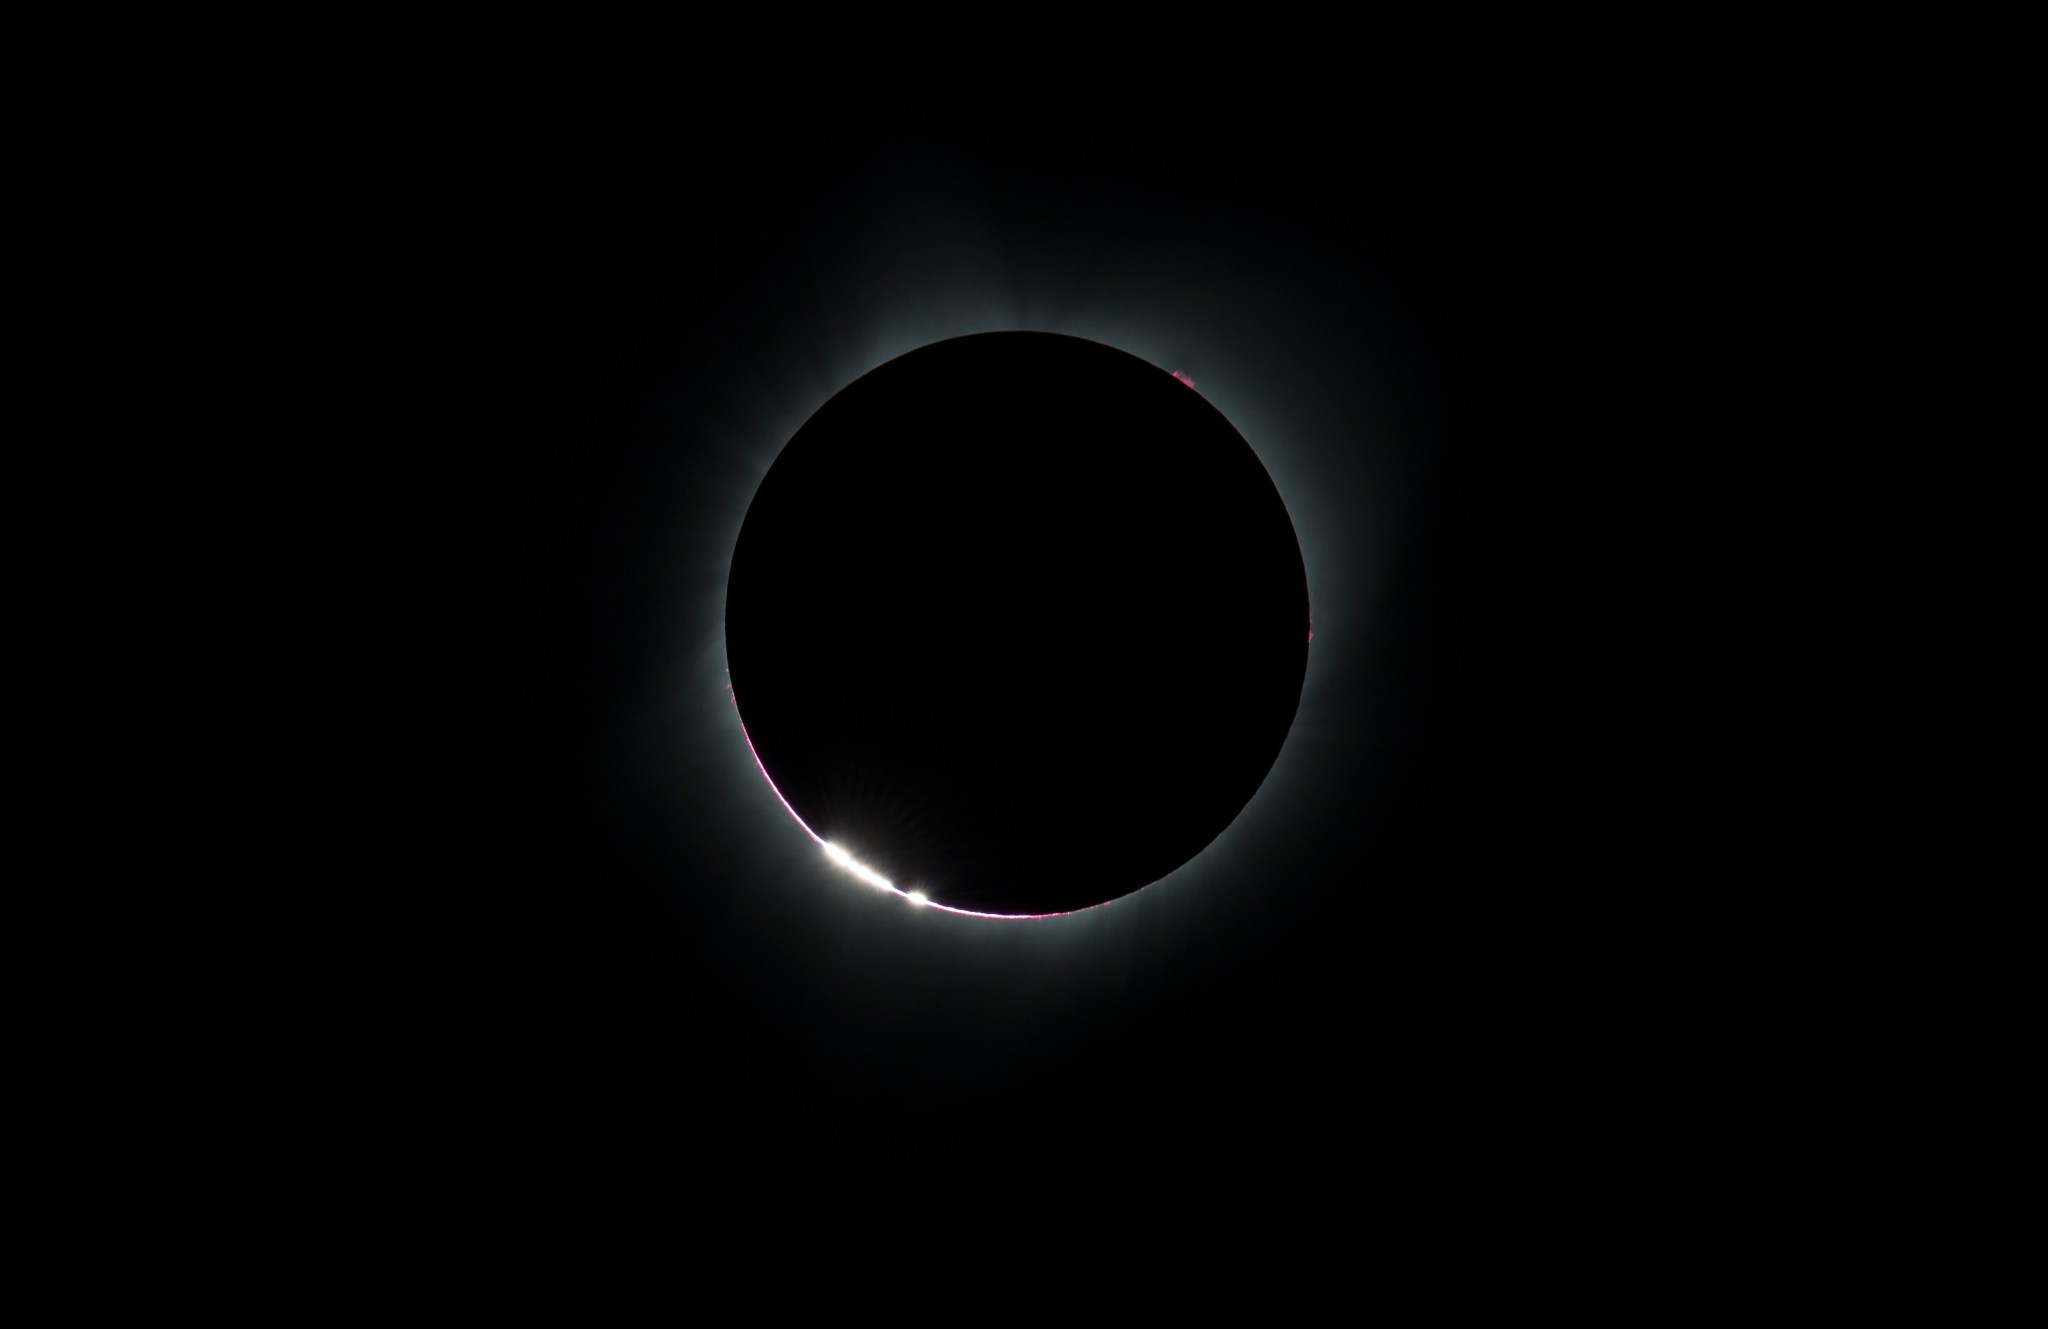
[625,947]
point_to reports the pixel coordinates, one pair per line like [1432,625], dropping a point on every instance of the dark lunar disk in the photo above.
[1019,621]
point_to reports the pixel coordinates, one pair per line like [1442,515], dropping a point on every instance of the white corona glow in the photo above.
[923,277]
[918,898]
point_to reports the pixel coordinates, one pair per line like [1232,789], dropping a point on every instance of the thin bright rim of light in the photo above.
[1281,459]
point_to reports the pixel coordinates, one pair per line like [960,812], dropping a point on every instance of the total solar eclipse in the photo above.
[1016,624]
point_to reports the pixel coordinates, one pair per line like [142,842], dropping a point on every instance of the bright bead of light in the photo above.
[858,869]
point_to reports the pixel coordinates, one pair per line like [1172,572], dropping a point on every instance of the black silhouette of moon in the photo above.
[1016,624]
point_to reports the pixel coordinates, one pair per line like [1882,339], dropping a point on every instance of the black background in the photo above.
[1435,951]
